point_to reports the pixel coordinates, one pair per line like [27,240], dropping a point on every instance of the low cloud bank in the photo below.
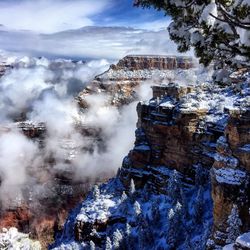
[44,91]
[89,42]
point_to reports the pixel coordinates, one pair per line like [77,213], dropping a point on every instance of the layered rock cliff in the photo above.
[186,175]
[184,185]
[42,215]
[121,81]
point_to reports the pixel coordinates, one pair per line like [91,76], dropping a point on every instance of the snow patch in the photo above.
[13,240]
[244,240]
[230,176]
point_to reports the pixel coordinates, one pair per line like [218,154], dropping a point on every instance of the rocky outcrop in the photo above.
[121,81]
[137,62]
[230,174]
[187,129]
[173,134]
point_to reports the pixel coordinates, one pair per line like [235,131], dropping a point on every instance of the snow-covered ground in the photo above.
[145,220]
[11,239]
[244,240]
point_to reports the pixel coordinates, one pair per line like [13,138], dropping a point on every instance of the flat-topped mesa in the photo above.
[120,82]
[140,62]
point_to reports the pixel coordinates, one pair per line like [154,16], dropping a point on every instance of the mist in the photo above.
[45,92]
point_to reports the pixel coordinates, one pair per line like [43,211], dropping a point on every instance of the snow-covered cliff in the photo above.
[184,185]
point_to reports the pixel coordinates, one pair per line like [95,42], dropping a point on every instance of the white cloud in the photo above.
[154,25]
[90,42]
[46,16]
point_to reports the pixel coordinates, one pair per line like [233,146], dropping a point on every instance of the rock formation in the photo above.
[190,160]
[121,80]
[67,192]
[183,133]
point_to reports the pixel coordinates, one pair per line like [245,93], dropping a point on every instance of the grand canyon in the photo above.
[137,150]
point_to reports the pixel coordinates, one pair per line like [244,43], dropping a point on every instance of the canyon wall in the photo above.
[121,81]
[42,216]
[202,129]
[172,134]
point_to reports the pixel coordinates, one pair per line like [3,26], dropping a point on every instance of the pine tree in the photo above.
[127,237]
[146,192]
[137,208]
[96,192]
[123,197]
[108,244]
[127,229]
[92,245]
[172,229]
[173,188]
[234,224]
[218,30]
[132,187]
[117,239]
[125,204]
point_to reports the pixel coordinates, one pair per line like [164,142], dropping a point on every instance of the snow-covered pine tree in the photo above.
[172,229]
[125,204]
[219,30]
[173,187]
[91,245]
[108,244]
[179,209]
[181,221]
[132,188]
[234,223]
[127,237]
[127,229]
[96,192]
[123,197]
[117,239]
[137,208]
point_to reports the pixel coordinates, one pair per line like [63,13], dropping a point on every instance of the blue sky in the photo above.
[123,13]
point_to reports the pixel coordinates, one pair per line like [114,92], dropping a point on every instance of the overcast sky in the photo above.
[44,27]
